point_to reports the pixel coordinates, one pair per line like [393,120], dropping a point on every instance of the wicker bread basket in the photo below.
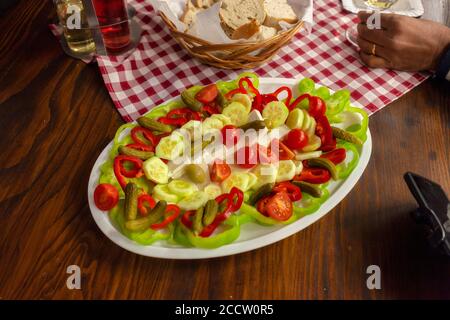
[240,55]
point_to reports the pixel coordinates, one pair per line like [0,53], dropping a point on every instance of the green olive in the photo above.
[195,173]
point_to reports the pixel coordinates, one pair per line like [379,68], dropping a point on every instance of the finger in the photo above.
[364,15]
[367,47]
[373,61]
[377,36]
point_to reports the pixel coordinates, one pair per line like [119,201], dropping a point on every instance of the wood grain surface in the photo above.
[56,117]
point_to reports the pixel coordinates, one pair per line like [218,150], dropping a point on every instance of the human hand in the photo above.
[402,43]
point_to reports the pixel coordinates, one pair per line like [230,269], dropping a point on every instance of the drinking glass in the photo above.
[76,30]
[114,23]
[379,4]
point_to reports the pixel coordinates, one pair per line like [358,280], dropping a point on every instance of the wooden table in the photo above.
[56,117]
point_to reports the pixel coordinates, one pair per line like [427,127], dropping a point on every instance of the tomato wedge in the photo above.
[230,135]
[279,206]
[336,156]
[292,190]
[207,94]
[106,196]
[219,172]
[261,205]
[269,155]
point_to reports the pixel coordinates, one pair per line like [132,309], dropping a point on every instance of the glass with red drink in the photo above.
[113,20]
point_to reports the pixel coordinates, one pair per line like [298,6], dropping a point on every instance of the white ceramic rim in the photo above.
[272,236]
[417,9]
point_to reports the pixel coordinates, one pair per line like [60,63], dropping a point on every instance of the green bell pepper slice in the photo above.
[306,85]
[344,169]
[337,102]
[360,130]
[145,238]
[185,236]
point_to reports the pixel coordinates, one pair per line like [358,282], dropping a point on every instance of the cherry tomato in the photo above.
[292,190]
[219,172]
[279,206]
[261,205]
[314,175]
[207,94]
[106,196]
[316,106]
[336,156]
[230,135]
[296,139]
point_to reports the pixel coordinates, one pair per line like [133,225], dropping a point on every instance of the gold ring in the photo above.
[374,49]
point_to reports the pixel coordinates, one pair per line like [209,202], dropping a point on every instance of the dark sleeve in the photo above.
[443,68]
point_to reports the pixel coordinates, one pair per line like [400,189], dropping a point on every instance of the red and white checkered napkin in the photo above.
[159,68]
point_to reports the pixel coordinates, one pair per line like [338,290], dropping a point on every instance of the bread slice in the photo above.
[189,14]
[266,33]
[236,13]
[246,30]
[278,10]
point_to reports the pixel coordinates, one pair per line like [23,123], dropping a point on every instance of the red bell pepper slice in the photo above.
[288,91]
[262,100]
[259,100]
[210,109]
[314,175]
[141,147]
[336,156]
[231,93]
[186,218]
[237,198]
[250,85]
[146,134]
[228,205]
[169,218]
[234,201]
[323,130]
[316,106]
[179,117]
[298,100]
[121,172]
[144,199]
[292,190]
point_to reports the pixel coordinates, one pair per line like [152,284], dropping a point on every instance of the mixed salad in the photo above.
[193,171]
